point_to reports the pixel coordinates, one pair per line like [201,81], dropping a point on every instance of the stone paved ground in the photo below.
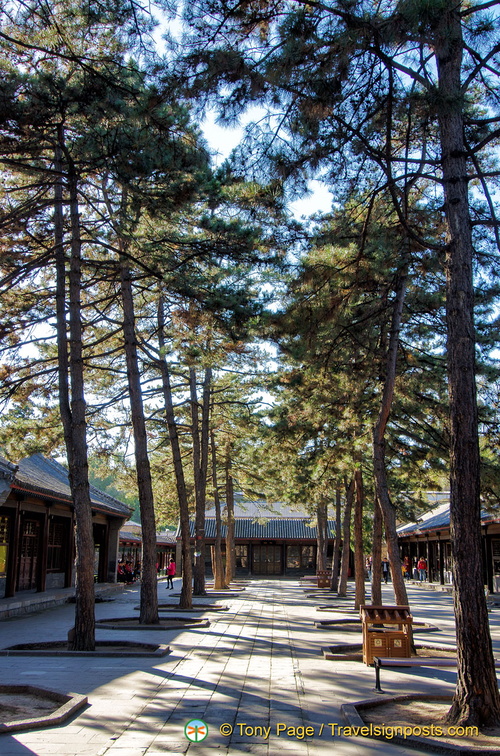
[258,666]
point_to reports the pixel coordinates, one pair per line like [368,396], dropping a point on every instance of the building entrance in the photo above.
[28,562]
[267,559]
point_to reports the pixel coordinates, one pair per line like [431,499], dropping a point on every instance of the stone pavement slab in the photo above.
[256,677]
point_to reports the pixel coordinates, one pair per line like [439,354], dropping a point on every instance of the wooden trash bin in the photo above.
[324,579]
[386,632]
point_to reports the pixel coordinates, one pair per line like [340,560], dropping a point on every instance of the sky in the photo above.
[222,140]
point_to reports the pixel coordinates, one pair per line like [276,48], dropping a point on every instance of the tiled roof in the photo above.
[439,520]
[127,535]
[133,527]
[289,529]
[268,509]
[166,537]
[47,477]
[135,535]
[7,469]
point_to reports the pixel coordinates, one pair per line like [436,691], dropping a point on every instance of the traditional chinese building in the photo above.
[130,546]
[37,528]
[429,537]
[270,539]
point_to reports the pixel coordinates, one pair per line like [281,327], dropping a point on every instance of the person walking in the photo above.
[385,569]
[406,568]
[171,574]
[422,569]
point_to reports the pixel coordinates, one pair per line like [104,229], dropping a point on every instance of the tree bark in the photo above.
[476,700]
[359,556]
[72,401]
[379,467]
[149,582]
[186,598]
[230,528]
[322,537]
[344,566]
[337,542]
[218,566]
[376,586]
[200,466]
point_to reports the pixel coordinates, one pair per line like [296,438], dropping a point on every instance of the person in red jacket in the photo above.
[171,574]
[422,569]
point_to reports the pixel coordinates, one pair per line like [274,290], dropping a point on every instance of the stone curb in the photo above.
[20,606]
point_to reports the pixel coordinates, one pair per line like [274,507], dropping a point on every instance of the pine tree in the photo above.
[395,86]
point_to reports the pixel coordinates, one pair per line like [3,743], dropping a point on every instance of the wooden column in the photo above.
[13,566]
[41,578]
[70,553]
[441,561]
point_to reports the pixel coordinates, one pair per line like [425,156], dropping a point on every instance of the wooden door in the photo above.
[267,559]
[29,553]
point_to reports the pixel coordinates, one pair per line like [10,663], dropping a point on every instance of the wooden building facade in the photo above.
[130,546]
[429,537]
[37,528]
[270,540]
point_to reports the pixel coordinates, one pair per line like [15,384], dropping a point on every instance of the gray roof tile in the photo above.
[47,477]
[441,520]
[269,528]
[7,469]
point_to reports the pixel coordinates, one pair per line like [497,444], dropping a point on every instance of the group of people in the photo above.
[419,571]
[127,572]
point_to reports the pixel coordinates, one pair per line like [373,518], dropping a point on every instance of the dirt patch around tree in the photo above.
[346,625]
[426,719]
[354,651]
[23,705]
[27,707]
[195,608]
[355,625]
[209,594]
[165,623]
[339,609]
[122,649]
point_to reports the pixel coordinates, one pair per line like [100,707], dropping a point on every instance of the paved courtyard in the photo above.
[256,677]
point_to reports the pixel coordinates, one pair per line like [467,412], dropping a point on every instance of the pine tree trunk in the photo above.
[476,700]
[217,563]
[72,403]
[390,524]
[200,465]
[230,528]
[149,583]
[359,557]
[379,467]
[322,537]
[337,542]
[186,599]
[376,586]
[346,545]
